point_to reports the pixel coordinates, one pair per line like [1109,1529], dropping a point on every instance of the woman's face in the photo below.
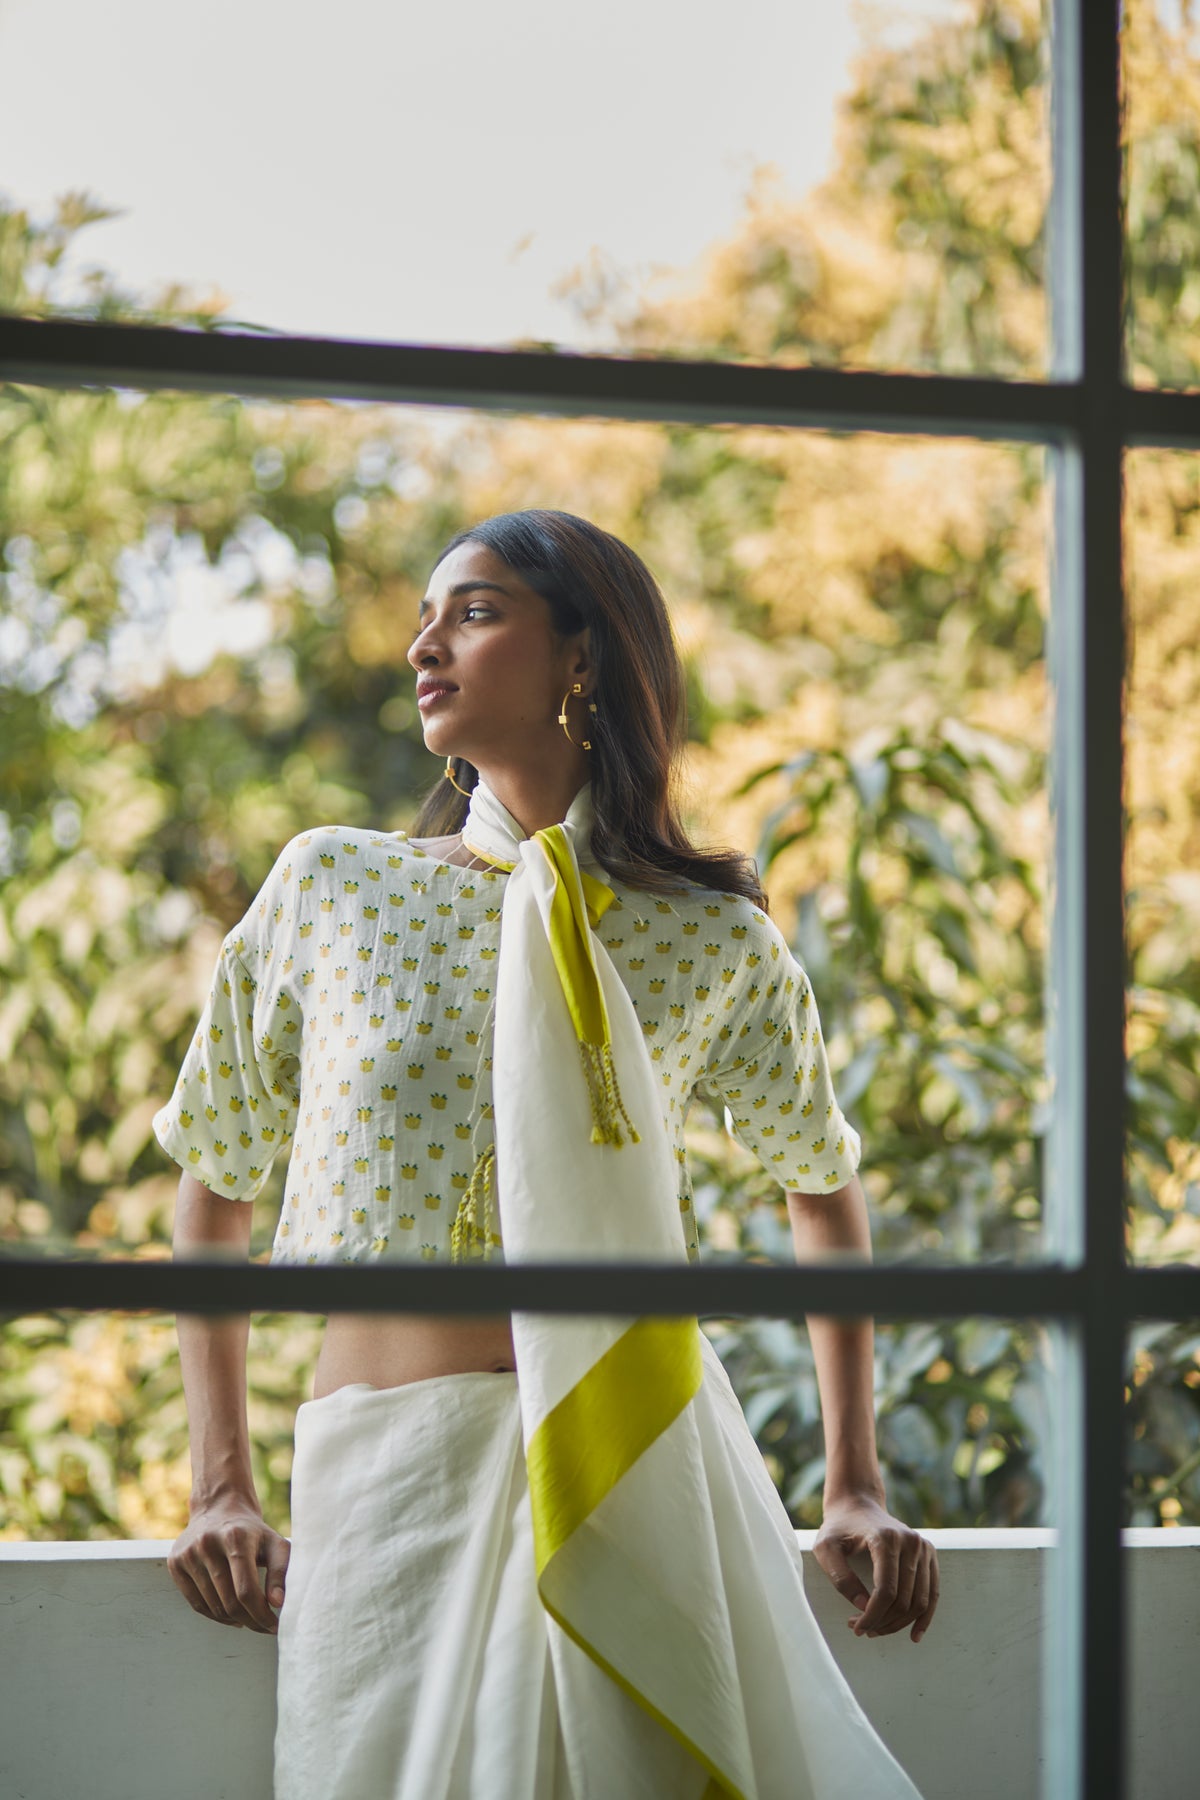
[487,637]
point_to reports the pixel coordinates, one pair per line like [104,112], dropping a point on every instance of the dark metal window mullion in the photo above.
[1083,1722]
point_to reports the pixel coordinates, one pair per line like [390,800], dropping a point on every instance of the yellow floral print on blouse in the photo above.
[350,1021]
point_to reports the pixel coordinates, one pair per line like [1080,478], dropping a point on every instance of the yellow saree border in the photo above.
[593,1437]
[719,1786]
[596,1433]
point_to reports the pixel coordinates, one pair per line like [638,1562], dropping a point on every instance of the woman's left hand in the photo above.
[904,1567]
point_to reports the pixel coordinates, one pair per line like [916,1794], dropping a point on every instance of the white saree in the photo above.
[579,1583]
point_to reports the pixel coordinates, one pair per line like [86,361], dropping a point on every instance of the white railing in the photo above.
[111,1689]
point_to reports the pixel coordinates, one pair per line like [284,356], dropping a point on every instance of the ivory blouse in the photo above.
[350,1021]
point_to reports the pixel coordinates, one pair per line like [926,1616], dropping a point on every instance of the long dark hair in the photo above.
[590,578]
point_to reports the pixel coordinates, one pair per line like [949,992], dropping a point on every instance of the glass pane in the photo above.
[1162,1397]
[1161,52]
[206,613]
[1163,1514]
[1162,856]
[962,1427]
[95,1428]
[974,1677]
[869,195]
[992,1569]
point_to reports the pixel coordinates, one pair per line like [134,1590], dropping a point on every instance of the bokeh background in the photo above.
[204,605]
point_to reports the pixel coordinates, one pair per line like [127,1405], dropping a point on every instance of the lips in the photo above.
[435,690]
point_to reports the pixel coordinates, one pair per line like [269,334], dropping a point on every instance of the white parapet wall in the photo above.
[112,1689]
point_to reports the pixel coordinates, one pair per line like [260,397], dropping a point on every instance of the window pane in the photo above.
[981,1658]
[1163,1421]
[994,1581]
[207,610]
[95,1431]
[962,1428]
[869,195]
[1161,41]
[1162,1729]
[1162,856]
[1163,1515]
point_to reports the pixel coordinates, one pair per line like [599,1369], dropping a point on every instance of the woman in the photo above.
[578,1582]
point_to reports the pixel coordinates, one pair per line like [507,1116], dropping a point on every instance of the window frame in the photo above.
[1086,413]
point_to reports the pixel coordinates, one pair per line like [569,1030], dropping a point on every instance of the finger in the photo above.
[227,1558]
[920,1593]
[189,1590]
[252,1602]
[901,1611]
[276,1553]
[885,1567]
[209,1590]
[832,1558]
[923,1623]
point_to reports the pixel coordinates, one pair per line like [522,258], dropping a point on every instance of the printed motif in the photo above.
[350,1021]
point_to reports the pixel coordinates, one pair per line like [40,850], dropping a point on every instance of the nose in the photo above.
[421,651]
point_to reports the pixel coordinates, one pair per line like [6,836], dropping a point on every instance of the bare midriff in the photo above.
[387,1349]
[390,1349]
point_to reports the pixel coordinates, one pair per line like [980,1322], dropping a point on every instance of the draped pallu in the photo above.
[626,1550]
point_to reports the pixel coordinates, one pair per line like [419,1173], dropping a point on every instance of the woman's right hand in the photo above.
[214,1562]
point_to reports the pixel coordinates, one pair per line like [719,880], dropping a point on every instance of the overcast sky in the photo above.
[418,172]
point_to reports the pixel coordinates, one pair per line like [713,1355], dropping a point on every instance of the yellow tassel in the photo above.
[473,1234]
[608,1109]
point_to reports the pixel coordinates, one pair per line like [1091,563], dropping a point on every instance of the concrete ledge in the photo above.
[114,1690]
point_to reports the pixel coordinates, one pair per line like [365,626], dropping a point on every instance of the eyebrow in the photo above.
[459,589]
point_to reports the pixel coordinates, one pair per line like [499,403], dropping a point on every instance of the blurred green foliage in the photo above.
[203,613]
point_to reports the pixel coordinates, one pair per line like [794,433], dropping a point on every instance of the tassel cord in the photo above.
[473,1235]
[608,1108]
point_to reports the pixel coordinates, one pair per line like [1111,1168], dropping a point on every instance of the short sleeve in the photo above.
[233,1108]
[768,1065]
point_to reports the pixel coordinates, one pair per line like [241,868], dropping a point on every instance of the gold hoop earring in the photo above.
[449,774]
[577,688]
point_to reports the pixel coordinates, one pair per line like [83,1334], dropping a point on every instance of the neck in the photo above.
[536,798]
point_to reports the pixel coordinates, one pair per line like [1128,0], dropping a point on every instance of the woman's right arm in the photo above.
[215,1560]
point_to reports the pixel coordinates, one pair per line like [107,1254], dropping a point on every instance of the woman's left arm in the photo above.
[904,1564]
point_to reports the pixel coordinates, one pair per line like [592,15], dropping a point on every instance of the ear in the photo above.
[580,654]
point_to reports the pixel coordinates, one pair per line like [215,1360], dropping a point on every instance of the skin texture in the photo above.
[214,1562]
[904,1571]
[511,673]
[485,632]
